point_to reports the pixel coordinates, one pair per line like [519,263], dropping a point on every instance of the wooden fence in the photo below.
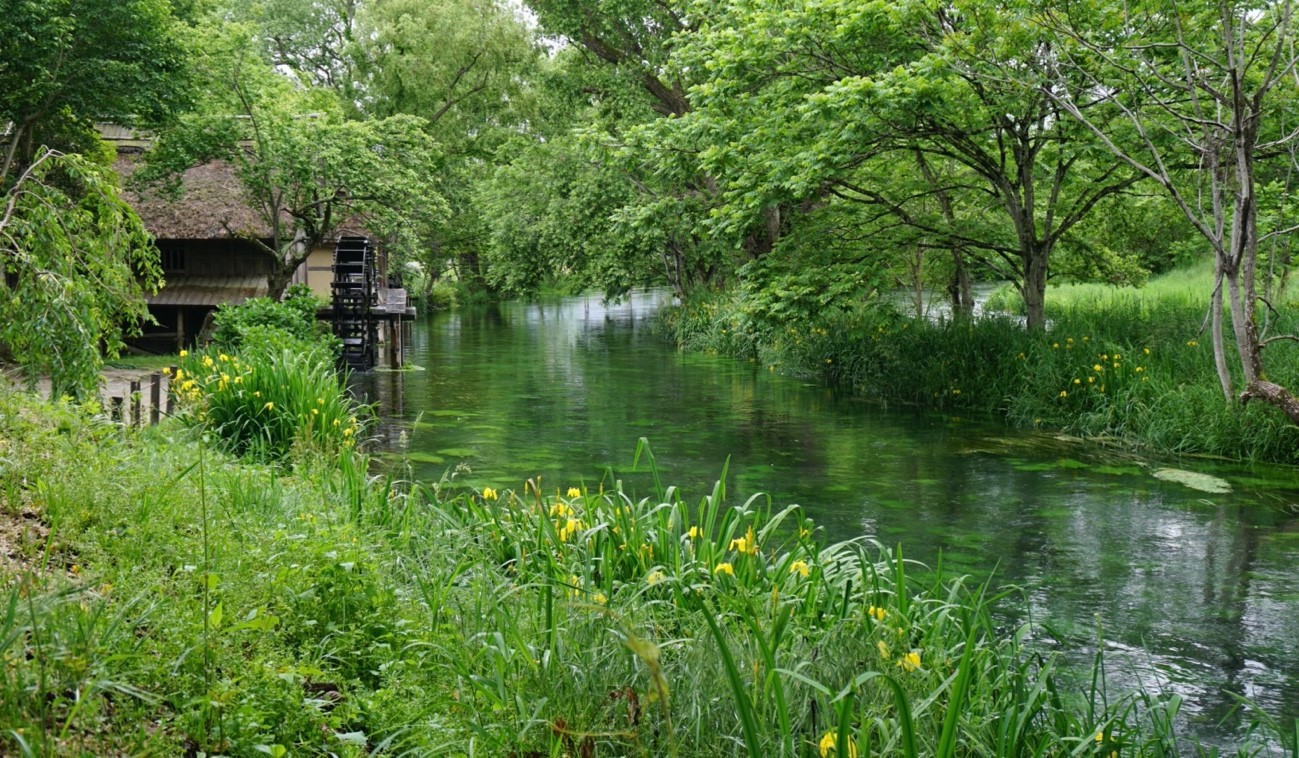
[144,402]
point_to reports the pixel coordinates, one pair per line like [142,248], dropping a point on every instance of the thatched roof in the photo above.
[208,290]
[212,204]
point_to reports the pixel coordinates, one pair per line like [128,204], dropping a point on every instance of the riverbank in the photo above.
[1118,364]
[171,599]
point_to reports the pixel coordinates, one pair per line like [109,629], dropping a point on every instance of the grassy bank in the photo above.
[169,599]
[1121,363]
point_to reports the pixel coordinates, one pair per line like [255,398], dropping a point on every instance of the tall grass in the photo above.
[326,611]
[1130,365]
[267,402]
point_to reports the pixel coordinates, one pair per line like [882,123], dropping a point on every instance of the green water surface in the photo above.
[1192,592]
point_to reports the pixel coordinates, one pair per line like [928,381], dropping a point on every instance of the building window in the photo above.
[173,258]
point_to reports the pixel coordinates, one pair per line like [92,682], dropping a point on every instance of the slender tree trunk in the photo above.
[1219,346]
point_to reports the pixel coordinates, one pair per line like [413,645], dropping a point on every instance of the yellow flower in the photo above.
[1098,367]
[879,614]
[560,509]
[1055,345]
[1145,350]
[910,661]
[207,361]
[166,371]
[724,568]
[956,392]
[184,353]
[257,393]
[269,406]
[223,358]
[570,527]
[654,577]
[1192,343]
[1139,369]
[348,431]
[239,379]
[1091,380]
[883,648]
[746,544]
[600,598]
[315,412]
[693,533]
[488,492]
[1116,365]
[829,743]
[1077,381]
[574,492]
[1063,393]
[800,568]
[320,401]
[335,422]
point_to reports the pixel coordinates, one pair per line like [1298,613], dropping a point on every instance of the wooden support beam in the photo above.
[155,397]
[135,403]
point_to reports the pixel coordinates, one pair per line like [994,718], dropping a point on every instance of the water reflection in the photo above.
[1196,593]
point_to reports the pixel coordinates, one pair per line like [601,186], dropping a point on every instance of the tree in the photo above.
[77,264]
[467,68]
[809,99]
[640,90]
[306,170]
[66,63]
[1206,90]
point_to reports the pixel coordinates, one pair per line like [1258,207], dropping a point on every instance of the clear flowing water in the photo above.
[1191,592]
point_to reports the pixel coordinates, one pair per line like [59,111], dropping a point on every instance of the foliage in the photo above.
[77,264]
[549,212]
[65,64]
[1207,151]
[1124,364]
[288,324]
[195,602]
[267,401]
[308,172]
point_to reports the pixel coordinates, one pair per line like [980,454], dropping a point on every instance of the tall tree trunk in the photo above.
[960,290]
[1033,287]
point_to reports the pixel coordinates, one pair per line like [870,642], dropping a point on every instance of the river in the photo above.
[1191,592]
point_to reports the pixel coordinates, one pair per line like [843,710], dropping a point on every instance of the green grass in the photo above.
[188,601]
[143,362]
[1125,364]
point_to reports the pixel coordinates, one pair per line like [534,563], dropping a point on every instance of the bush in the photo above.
[263,323]
[268,401]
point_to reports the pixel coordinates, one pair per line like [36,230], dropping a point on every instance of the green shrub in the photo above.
[268,401]
[263,323]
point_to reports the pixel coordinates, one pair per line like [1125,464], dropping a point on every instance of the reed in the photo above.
[325,610]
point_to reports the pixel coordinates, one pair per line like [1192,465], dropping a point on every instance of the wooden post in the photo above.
[135,403]
[171,393]
[155,397]
[180,328]
[115,406]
